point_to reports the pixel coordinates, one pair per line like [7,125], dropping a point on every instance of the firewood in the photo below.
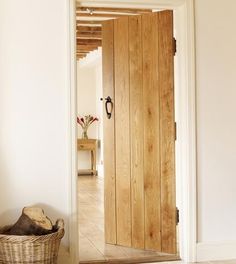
[32,221]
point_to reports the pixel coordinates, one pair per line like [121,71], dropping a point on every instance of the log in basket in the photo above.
[31,249]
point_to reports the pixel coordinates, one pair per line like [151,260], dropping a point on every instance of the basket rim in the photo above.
[59,233]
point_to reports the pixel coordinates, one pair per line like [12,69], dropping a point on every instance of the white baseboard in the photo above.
[216,251]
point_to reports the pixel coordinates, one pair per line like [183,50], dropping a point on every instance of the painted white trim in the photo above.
[134,3]
[72,109]
[187,133]
[216,251]
[187,112]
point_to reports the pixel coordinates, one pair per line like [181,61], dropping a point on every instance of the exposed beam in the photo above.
[89,28]
[96,42]
[82,52]
[105,15]
[90,35]
[82,55]
[86,47]
[111,9]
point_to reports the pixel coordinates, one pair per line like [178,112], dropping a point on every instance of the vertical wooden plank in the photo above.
[136,130]
[122,131]
[151,103]
[167,131]
[109,134]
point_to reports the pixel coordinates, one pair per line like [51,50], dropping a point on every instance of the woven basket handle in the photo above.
[60,223]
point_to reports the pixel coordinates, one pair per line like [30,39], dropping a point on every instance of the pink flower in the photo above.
[94,119]
[86,121]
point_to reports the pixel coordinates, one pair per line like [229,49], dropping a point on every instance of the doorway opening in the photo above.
[92,244]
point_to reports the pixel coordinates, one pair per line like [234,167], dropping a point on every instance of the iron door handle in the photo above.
[108,101]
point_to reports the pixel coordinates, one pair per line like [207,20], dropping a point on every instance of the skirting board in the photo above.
[216,251]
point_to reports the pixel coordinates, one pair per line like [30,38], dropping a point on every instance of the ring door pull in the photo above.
[108,109]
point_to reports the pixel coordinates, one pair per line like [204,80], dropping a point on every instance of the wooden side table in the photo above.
[88,145]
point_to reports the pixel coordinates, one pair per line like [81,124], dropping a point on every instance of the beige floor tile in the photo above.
[87,251]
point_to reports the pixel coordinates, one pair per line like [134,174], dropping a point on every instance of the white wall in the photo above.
[89,91]
[216,126]
[33,110]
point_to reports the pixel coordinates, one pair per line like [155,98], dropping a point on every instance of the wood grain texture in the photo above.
[136,130]
[143,138]
[109,134]
[167,131]
[122,128]
[152,179]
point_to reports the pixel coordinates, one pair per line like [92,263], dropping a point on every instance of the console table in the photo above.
[88,145]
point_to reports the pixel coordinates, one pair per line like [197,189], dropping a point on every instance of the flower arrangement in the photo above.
[85,122]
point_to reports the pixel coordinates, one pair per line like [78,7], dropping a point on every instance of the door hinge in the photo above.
[175,131]
[174,46]
[177,215]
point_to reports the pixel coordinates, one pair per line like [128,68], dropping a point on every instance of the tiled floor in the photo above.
[91,226]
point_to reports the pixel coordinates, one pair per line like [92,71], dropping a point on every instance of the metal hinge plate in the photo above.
[177,215]
[174,46]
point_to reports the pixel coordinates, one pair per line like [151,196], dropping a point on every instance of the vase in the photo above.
[84,135]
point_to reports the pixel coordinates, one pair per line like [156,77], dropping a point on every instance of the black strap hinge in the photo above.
[177,215]
[174,46]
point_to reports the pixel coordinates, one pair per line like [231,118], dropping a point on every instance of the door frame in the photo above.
[186,126]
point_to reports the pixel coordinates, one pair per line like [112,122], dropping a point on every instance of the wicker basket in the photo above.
[31,249]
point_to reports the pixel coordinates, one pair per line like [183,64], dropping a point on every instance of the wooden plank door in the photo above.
[139,137]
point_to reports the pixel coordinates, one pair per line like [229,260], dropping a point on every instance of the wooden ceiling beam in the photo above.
[92,34]
[105,15]
[96,42]
[89,28]
[112,9]
[82,52]
[86,47]
[89,22]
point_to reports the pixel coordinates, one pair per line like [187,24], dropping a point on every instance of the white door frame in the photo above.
[186,126]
